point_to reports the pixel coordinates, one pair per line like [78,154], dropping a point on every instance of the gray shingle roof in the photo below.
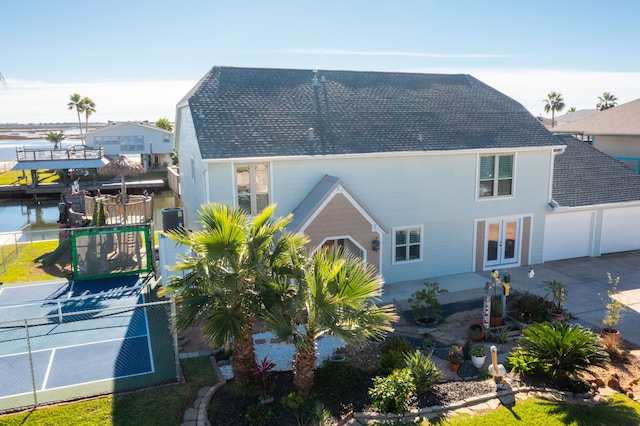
[584,176]
[620,120]
[248,112]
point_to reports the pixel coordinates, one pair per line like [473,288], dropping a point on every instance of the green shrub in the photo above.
[529,308]
[259,415]
[558,350]
[338,378]
[397,344]
[424,371]
[391,361]
[391,394]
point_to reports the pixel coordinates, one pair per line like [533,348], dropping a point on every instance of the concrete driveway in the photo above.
[585,279]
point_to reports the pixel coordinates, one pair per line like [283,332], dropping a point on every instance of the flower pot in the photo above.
[476,332]
[478,361]
[610,333]
[454,367]
[556,315]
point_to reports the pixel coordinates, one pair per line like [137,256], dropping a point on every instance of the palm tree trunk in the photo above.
[79,121]
[244,358]
[304,366]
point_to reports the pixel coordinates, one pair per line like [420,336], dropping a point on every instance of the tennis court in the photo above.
[66,339]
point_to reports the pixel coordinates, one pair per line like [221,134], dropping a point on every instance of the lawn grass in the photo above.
[159,406]
[22,267]
[619,410]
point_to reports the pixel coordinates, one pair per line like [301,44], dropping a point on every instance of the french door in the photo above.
[502,243]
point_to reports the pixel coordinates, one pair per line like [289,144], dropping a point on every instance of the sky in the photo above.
[136,59]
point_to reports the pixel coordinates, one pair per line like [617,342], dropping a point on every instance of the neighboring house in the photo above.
[153,144]
[422,175]
[615,131]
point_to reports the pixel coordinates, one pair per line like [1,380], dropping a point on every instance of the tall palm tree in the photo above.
[55,138]
[336,293]
[553,103]
[232,259]
[606,101]
[75,102]
[89,107]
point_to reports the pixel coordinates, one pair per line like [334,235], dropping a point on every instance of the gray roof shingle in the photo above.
[584,176]
[249,112]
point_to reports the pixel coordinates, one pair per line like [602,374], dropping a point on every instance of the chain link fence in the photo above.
[85,347]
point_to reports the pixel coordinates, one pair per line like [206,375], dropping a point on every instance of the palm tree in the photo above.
[335,294]
[75,102]
[606,101]
[553,103]
[570,110]
[89,107]
[55,138]
[232,259]
[165,124]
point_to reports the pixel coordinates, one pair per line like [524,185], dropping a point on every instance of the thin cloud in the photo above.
[304,51]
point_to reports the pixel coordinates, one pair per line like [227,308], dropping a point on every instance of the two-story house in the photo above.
[422,175]
[153,144]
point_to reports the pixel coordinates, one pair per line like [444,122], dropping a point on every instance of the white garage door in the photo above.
[620,230]
[567,235]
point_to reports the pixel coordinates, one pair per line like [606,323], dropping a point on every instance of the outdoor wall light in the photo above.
[375,244]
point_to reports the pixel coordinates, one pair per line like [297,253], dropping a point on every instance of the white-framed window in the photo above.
[495,175]
[252,187]
[407,244]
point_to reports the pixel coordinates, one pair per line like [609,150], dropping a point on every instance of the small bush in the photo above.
[529,308]
[338,377]
[424,371]
[397,344]
[259,415]
[391,394]
[391,361]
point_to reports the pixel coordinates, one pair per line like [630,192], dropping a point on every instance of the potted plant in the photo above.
[495,315]
[425,306]
[455,356]
[477,355]
[614,308]
[558,292]
[476,332]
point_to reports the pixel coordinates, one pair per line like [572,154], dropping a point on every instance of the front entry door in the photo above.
[502,242]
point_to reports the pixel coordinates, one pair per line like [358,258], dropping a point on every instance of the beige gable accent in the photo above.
[341,219]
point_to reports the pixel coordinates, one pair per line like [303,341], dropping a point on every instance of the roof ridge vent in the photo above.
[315,82]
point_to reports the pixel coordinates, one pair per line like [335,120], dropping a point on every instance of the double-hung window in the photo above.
[407,243]
[496,176]
[252,187]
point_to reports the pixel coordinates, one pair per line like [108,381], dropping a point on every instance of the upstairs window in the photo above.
[252,186]
[496,176]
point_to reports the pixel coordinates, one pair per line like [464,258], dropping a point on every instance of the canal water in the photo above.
[16,214]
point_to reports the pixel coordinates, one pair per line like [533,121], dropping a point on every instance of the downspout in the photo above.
[553,203]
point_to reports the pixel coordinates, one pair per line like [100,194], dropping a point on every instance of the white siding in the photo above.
[191,179]
[435,191]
